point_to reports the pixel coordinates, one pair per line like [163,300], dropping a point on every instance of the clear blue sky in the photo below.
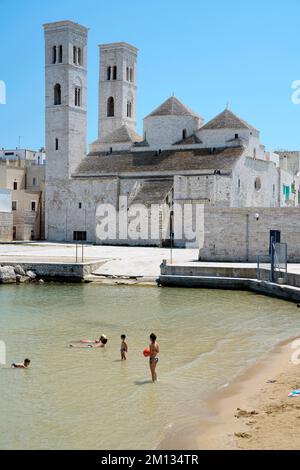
[206,52]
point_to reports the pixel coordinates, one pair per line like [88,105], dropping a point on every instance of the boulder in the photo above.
[41,281]
[31,274]
[19,270]
[7,274]
[20,278]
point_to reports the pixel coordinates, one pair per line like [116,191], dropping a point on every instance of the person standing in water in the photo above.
[153,359]
[124,348]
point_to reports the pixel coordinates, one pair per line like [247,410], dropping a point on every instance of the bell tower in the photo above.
[65,100]
[117,87]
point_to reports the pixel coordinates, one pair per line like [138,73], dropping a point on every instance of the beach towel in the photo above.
[294,393]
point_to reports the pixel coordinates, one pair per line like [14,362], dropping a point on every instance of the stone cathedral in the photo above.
[178,160]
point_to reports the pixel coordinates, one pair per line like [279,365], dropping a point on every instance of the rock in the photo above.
[20,278]
[7,274]
[31,275]
[19,270]
[41,281]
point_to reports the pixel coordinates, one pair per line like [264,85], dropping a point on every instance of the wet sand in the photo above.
[254,412]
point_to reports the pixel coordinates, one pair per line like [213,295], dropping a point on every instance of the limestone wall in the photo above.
[236,234]
[162,131]
[6,226]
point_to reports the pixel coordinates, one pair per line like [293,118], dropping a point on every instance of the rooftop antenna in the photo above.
[19,140]
[227,105]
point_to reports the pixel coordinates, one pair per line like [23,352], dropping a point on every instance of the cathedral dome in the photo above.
[171,122]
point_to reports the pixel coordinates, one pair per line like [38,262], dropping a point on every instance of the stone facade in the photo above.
[243,234]
[117,81]
[26,182]
[179,161]
[6,226]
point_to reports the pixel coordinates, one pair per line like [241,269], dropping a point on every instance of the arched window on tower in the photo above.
[115,72]
[127,74]
[60,54]
[129,109]
[79,56]
[184,134]
[110,107]
[108,73]
[77,96]
[131,74]
[74,55]
[57,94]
[54,55]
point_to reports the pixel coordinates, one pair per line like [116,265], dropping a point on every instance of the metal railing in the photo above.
[275,263]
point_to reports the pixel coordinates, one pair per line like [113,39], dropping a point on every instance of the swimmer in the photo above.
[96,341]
[124,348]
[153,359]
[89,344]
[20,365]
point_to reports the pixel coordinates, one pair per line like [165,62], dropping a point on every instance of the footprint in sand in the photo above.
[243,435]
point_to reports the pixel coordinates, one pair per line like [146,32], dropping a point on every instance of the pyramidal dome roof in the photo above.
[121,135]
[227,120]
[172,107]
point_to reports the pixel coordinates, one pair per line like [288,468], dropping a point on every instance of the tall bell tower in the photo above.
[117,87]
[65,100]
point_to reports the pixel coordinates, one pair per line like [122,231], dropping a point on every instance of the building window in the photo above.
[54,55]
[286,192]
[14,205]
[257,184]
[32,235]
[34,181]
[274,188]
[129,109]
[57,94]
[108,73]
[110,107]
[80,205]
[183,134]
[15,185]
[77,96]
[131,74]
[239,184]
[236,136]
[56,144]
[79,56]
[74,55]
[254,153]
[127,74]
[79,235]
[33,206]
[115,72]
[60,55]
[14,232]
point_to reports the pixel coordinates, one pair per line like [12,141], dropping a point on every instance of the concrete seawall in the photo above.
[71,272]
[253,285]
[230,276]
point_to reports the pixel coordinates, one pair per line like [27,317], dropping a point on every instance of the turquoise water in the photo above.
[87,398]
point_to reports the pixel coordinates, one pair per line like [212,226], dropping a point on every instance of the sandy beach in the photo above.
[256,412]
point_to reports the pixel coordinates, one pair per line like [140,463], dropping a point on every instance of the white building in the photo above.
[178,160]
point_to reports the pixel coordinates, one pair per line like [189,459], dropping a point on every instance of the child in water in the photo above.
[153,358]
[124,348]
[20,365]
